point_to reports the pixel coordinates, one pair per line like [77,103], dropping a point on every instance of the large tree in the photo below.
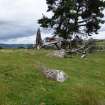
[74,16]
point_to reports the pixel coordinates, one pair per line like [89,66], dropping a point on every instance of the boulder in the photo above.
[53,74]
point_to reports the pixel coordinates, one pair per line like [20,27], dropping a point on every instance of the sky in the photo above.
[18,21]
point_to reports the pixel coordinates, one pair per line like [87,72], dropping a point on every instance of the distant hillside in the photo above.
[16,45]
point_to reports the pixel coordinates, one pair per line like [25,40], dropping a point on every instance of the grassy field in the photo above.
[22,84]
[100,42]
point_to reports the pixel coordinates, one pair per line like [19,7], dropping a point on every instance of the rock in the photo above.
[38,47]
[54,74]
[59,53]
[61,76]
[83,55]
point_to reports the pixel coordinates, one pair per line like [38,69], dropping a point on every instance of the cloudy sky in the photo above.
[18,20]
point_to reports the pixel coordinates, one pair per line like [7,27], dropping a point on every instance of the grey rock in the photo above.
[83,55]
[59,53]
[53,74]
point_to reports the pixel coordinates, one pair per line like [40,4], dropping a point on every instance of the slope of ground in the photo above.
[22,84]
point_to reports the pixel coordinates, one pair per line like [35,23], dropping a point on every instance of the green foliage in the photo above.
[70,16]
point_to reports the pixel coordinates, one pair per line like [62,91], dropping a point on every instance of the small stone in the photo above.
[42,103]
[83,56]
[61,76]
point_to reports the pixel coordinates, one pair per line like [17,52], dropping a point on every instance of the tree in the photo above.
[74,16]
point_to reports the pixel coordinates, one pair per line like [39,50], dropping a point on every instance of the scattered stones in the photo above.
[59,53]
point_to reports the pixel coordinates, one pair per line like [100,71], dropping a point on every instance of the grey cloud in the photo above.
[10,29]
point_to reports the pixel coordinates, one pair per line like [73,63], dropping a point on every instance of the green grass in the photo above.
[22,84]
[100,43]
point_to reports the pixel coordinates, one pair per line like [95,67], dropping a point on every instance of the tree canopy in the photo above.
[74,16]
